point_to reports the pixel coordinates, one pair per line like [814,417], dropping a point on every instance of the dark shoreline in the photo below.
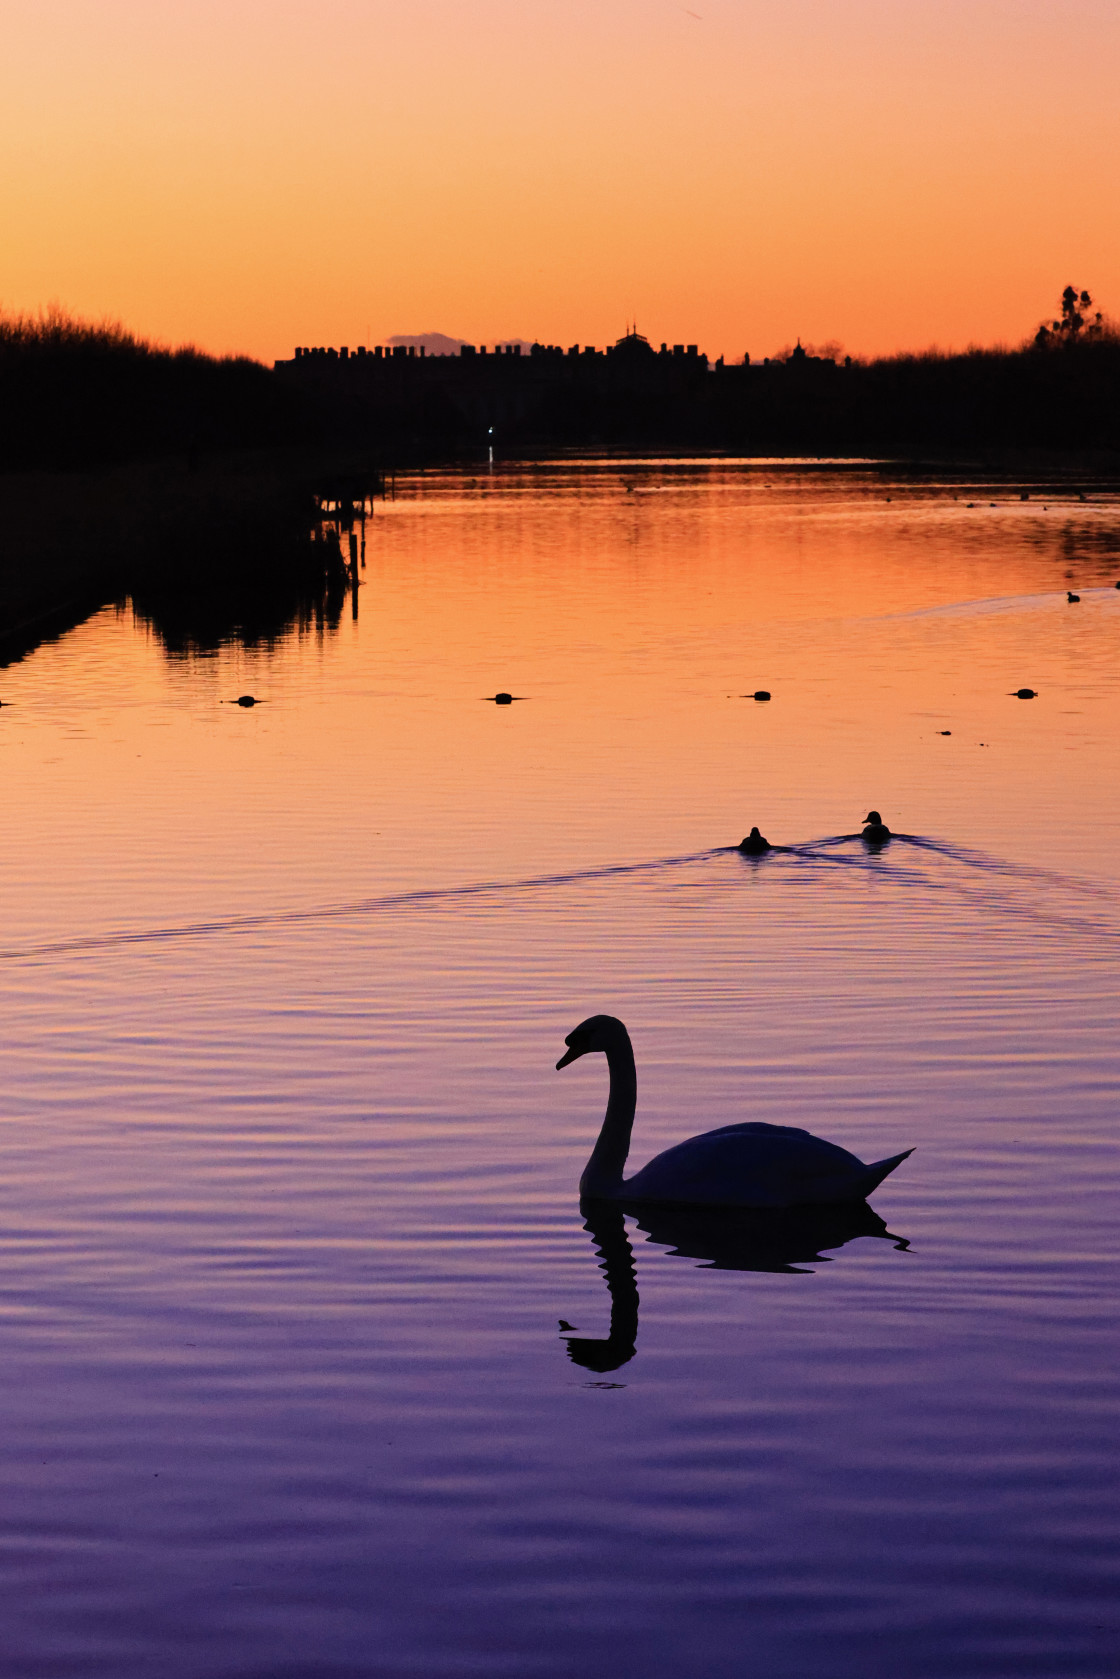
[227,543]
[232,538]
[189,483]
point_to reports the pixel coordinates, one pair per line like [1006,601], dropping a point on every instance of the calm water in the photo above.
[288,1201]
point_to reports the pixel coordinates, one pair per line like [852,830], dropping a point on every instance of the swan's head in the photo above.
[589,1036]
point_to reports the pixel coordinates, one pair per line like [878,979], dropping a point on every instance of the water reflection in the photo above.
[607,1226]
[255,583]
[274,1219]
[786,1240]
[255,609]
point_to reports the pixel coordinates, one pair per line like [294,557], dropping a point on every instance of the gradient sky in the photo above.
[253,174]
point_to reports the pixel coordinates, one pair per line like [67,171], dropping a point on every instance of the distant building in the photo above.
[634,347]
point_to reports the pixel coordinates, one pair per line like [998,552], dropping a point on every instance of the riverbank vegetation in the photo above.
[76,394]
[181,481]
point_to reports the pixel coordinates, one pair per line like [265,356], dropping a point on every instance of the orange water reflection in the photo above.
[633,605]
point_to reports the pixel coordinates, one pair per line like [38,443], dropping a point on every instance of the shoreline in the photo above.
[237,525]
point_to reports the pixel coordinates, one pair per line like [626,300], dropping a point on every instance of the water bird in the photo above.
[754,845]
[1027,693]
[761,694]
[1071,597]
[946,731]
[749,1165]
[876,831]
[246,699]
[503,699]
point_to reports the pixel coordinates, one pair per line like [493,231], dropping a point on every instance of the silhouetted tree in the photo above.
[1073,322]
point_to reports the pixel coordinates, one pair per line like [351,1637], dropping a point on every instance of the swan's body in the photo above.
[876,831]
[751,1165]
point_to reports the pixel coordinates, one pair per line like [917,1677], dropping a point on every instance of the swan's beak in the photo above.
[576,1048]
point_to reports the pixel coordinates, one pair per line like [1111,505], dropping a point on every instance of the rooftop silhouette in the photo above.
[1059,390]
[81,396]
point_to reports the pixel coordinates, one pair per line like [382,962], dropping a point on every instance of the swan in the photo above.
[751,1165]
[876,831]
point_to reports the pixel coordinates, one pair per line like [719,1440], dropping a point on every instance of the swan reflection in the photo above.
[777,1239]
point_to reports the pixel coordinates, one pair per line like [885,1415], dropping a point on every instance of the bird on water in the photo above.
[754,845]
[876,831]
[750,1165]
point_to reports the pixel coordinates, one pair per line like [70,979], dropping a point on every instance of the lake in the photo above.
[289,1201]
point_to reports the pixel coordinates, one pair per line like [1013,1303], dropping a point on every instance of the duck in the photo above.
[876,831]
[1072,598]
[754,845]
[748,1165]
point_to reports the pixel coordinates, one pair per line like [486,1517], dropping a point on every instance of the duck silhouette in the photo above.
[876,831]
[754,845]
[748,1165]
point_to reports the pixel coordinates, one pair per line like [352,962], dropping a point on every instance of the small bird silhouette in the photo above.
[754,845]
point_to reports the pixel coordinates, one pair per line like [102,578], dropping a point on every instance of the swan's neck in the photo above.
[602,1175]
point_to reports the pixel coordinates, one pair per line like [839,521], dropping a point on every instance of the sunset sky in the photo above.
[254,174]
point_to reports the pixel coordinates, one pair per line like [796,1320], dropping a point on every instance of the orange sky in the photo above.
[253,174]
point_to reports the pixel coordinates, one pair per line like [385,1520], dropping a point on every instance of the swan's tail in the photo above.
[874,1174]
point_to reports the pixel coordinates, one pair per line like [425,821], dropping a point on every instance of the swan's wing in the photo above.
[750,1165]
[758,1128]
